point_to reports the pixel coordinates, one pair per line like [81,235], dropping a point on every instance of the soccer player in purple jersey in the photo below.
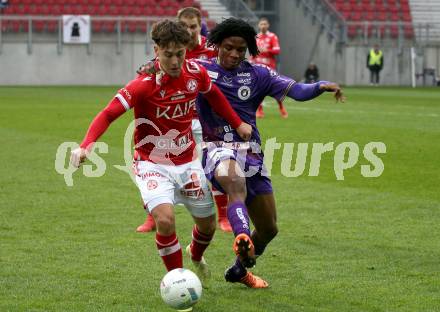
[232,165]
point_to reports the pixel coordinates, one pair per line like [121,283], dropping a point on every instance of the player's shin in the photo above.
[238,218]
[200,241]
[170,251]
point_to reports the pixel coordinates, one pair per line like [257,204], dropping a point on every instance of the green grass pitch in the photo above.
[361,244]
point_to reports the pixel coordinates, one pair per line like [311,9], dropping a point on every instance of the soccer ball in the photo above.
[180,289]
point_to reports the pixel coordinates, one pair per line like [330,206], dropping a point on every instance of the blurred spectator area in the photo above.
[111,8]
[381,18]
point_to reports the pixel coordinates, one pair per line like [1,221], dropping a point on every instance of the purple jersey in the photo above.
[245,88]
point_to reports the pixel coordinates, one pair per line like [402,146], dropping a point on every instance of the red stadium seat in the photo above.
[394,31]
[158,11]
[406,17]
[356,16]
[370,16]
[55,10]
[394,17]
[38,26]
[15,26]
[52,26]
[408,31]
[382,16]
[352,31]
[141,26]
[346,14]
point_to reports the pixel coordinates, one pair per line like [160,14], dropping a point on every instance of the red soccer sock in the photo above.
[221,201]
[170,251]
[280,104]
[200,242]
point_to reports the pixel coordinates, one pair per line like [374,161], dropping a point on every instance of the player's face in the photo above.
[193,27]
[171,58]
[263,26]
[231,52]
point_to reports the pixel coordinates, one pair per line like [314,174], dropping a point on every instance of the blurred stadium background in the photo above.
[354,245]
[334,34]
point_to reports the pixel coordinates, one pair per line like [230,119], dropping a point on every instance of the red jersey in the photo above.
[166,108]
[267,42]
[201,51]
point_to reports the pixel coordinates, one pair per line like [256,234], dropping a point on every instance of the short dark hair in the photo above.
[190,12]
[166,32]
[264,19]
[234,27]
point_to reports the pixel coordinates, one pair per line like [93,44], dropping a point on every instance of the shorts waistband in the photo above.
[228,145]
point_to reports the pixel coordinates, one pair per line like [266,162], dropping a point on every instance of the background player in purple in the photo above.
[226,157]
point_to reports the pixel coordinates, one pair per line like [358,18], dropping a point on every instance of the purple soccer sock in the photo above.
[238,218]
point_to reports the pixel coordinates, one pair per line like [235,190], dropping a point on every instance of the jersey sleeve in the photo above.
[133,92]
[277,85]
[205,80]
[275,45]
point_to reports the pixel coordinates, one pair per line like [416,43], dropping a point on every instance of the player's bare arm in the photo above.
[333,87]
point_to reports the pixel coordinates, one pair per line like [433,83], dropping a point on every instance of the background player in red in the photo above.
[167,171]
[269,47]
[196,49]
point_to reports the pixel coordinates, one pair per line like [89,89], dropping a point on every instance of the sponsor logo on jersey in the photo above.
[177,97]
[227,79]
[151,174]
[177,111]
[244,81]
[162,93]
[243,74]
[127,94]
[195,194]
[193,67]
[191,85]
[147,79]
[172,144]
[212,75]
[244,93]
[152,184]
[273,73]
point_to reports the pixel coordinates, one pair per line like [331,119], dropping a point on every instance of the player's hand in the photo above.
[148,68]
[78,156]
[244,130]
[333,87]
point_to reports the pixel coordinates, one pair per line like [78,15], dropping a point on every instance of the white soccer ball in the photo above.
[180,289]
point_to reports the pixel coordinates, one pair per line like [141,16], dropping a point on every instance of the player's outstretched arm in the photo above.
[335,88]
[97,128]
[306,92]
[221,106]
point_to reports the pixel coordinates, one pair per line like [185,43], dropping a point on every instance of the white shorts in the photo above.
[183,184]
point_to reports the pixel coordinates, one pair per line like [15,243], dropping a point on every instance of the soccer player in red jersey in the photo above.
[196,49]
[269,47]
[165,165]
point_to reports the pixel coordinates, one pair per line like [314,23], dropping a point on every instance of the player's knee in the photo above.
[165,224]
[236,185]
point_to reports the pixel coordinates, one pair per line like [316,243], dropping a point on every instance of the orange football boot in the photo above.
[244,249]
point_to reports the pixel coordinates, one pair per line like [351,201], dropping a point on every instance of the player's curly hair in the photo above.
[166,32]
[234,27]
